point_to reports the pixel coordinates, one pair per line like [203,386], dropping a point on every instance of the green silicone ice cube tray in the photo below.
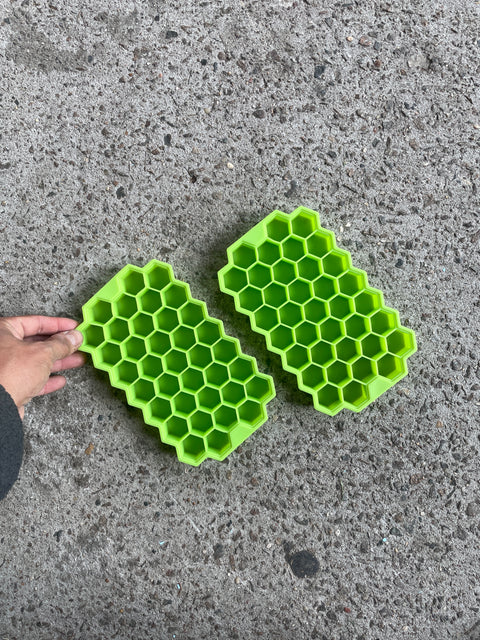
[175,362]
[317,311]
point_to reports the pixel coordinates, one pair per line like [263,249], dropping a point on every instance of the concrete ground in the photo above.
[139,130]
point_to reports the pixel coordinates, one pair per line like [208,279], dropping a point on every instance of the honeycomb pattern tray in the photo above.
[175,362]
[317,311]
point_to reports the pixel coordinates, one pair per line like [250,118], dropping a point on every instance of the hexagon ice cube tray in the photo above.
[175,362]
[330,328]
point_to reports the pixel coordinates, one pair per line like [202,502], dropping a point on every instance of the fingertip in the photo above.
[74,337]
[54,383]
[74,360]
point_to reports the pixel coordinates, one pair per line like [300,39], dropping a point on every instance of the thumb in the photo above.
[63,344]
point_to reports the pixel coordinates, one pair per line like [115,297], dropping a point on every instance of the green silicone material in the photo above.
[175,362]
[317,311]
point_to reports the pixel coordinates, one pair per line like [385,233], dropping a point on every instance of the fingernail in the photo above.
[75,337]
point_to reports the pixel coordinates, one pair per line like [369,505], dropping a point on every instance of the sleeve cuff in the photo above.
[11,442]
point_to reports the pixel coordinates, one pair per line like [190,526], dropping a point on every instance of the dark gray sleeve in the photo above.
[11,442]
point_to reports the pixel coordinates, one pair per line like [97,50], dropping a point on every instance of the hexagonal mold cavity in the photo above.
[192,314]
[250,299]
[250,411]
[166,320]
[367,301]
[158,343]
[284,272]
[372,346]
[242,369]
[331,330]
[126,306]
[340,306]
[266,318]
[391,367]
[259,275]
[208,398]
[352,281]
[159,409]
[337,373]
[244,256]
[133,281]
[322,353]
[225,417]
[356,326]
[184,403]
[216,374]
[101,312]
[200,355]
[94,335]
[269,252]
[218,444]
[158,276]
[142,324]
[183,338]
[277,228]
[236,279]
[336,262]
[293,248]
[233,392]
[299,291]
[275,294]
[192,379]
[315,310]
[304,223]
[258,387]
[151,366]
[309,268]
[123,374]
[324,287]
[109,354]
[150,301]
[363,370]
[175,362]
[175,295]
[328,399]
[117,329]
[208,332]
[134,348]
[400,342]
[320,243]
[314,292]
[192,450]
[290,314]
[201,422]
[347,349]
[356,394]
[177,429]
[383,321]
[306,333]
[281,338]
[297,357]
[225,350]
[142,391]
[168,384]
[313,376]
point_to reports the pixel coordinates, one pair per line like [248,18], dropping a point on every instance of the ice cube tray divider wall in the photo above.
[317,311]
[175,362]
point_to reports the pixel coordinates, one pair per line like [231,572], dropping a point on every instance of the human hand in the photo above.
[32,348]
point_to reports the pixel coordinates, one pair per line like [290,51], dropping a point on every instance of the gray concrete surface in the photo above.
[132,131]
